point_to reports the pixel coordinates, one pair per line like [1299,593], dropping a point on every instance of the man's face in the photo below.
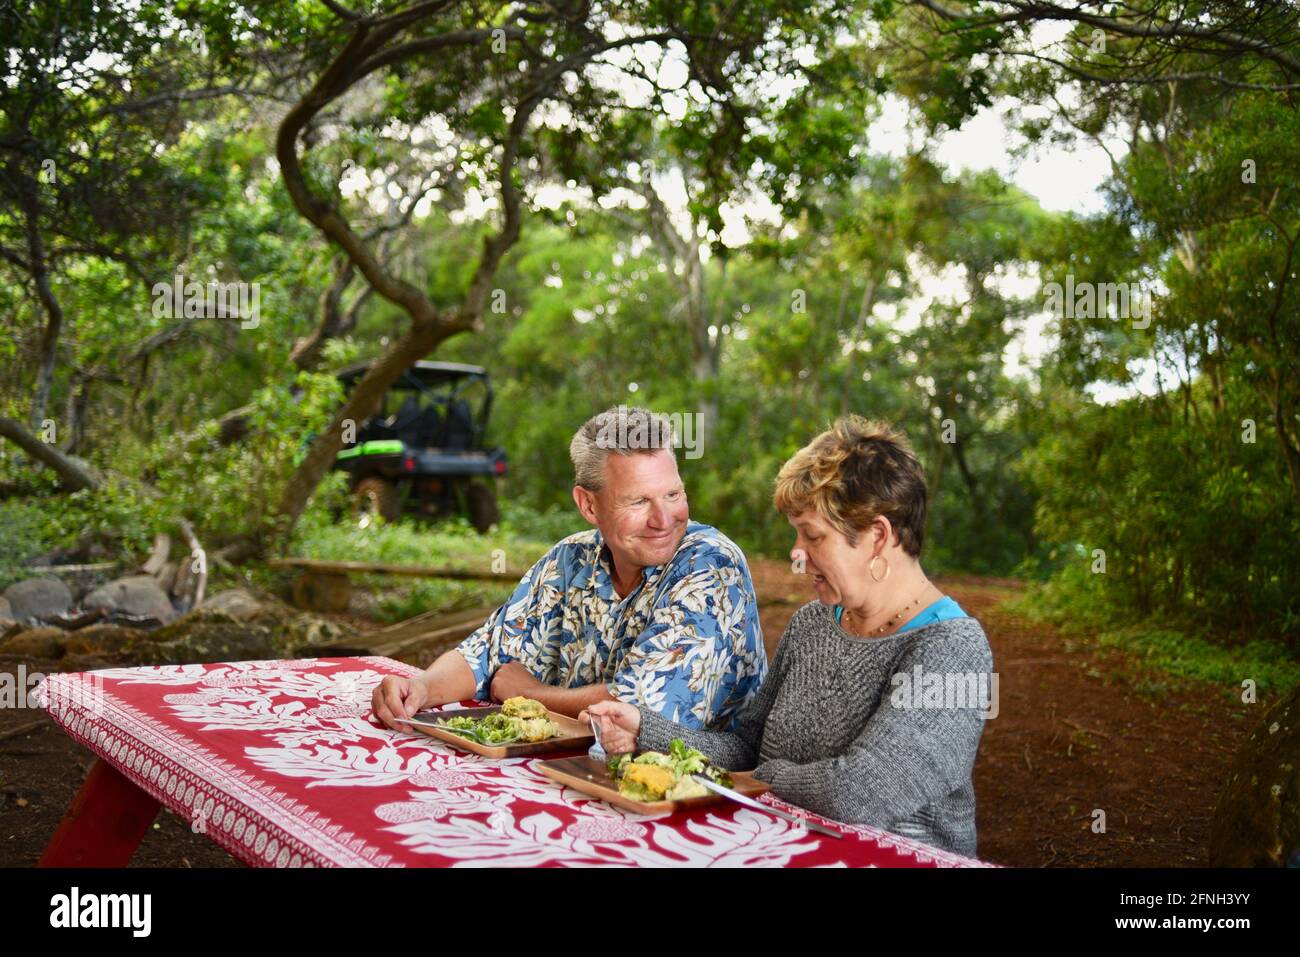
[641,512]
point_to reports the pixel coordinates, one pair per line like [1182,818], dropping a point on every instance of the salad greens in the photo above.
[495,729]
[680,760]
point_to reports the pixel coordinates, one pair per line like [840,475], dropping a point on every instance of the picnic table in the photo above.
[283,765]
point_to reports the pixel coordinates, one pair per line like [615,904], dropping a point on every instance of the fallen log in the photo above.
[413,571]
[416,641]
[162,546]
[74,474]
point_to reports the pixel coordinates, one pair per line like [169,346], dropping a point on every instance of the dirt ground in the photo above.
[1081,728]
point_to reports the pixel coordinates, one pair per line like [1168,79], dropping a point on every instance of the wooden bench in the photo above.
[417,641]
[327,586]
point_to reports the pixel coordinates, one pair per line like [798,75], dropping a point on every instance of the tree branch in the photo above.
[74,474]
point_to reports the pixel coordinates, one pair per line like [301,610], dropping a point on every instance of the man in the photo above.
[648,608]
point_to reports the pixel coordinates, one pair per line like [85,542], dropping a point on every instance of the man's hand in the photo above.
[398,698]
[513,680]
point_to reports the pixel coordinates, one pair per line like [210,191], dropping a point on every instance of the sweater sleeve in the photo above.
[915,749]
[734,750]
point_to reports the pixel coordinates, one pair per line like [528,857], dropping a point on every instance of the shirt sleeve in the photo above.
[701,654]
[735,750]
[910,753]
[522,628]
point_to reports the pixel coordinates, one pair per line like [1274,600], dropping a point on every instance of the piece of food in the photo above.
[616,764]
[686,787]
[536,729]
[502,728]
[521,707]
[464,726]
[686,760]
[655,776]
[499,729]
[647,782]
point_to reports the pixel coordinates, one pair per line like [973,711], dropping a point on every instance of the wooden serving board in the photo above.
[573,736]
[592,777]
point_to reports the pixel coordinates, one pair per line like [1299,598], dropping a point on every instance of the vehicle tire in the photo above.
[377,496]
[481,502]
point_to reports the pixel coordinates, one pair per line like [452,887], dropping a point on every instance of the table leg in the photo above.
[104,824]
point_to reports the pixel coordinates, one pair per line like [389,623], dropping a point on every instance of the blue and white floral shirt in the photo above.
[686,642]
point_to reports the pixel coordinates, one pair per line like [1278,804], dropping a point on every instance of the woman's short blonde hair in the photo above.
[854,472]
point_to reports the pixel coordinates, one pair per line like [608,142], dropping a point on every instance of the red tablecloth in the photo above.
[281,763]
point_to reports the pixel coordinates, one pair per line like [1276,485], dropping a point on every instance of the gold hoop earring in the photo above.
[871,568]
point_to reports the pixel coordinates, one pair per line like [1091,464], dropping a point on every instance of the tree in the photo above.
[497,75]
[89,97]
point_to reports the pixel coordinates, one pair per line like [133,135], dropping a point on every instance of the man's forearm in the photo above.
[570,701]
[449,679]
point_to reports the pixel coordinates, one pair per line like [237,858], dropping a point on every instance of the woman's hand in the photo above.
[618,722]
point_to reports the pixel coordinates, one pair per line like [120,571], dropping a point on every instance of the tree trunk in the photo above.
[53,313]
[864,310]
[78,398]
[977,498]
[360,405]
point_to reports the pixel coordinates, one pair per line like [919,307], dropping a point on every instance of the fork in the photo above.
[597,751]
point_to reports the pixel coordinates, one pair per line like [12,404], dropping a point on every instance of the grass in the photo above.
[1161,650]
[1190,656]
[512,546]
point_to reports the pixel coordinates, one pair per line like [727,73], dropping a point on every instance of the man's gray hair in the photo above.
[623,430]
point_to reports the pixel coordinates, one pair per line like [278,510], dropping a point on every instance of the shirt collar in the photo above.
[600,566]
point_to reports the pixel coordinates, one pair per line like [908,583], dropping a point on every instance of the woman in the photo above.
[841,726]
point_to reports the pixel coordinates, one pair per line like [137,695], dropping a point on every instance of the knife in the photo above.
[760,806]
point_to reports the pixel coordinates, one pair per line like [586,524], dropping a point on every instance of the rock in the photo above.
[183,584]
[1257,820]
[322,591]
[238,603]
[210,634]
[34,643]
[136,595]
[72,620]
[103,641]
[8,625]
[72,663]
[36,599]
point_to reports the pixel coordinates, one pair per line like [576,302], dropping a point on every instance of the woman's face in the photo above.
[837,570]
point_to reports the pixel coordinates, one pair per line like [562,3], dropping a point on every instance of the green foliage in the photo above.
[449,544]
[809,320]
[234,490]
[1157,492]
[1193,489]
[27,534]
[1075,600]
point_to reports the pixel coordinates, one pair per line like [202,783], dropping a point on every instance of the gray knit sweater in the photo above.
[837,729]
